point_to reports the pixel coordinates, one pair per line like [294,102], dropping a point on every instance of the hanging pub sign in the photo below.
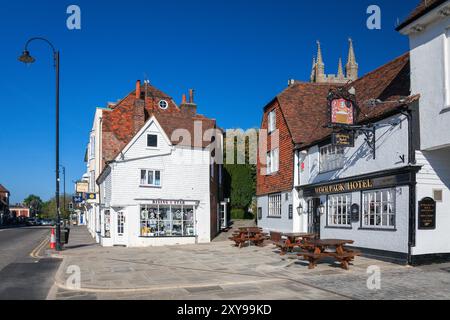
[427,214]
[342,107]
[343,139]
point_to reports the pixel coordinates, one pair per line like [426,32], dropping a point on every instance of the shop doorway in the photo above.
[120,233]
[314,217]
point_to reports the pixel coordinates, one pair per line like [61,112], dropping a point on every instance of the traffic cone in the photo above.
[53,240]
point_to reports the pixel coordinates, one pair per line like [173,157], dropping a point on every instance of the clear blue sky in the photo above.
[237,54]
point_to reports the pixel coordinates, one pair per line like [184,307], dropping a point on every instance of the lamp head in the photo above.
[26,57]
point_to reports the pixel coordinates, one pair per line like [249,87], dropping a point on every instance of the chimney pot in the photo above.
[183,99]
[138,89]
[191,95]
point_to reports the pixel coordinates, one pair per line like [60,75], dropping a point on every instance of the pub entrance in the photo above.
[314,217]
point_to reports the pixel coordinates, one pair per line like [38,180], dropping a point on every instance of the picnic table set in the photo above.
[304,245]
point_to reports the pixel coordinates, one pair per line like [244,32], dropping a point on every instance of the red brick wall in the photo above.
[283,180]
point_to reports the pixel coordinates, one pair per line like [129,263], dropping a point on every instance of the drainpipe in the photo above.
[412,188]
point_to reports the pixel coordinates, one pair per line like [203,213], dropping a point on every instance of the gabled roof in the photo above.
[118,126]
[3,189]
[305,107]
[422,9]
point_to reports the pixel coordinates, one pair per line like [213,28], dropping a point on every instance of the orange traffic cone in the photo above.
[53,240]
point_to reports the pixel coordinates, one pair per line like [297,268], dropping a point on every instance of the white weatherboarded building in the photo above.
[157,184]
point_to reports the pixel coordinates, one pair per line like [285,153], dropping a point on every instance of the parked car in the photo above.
[32,222]
[48,222]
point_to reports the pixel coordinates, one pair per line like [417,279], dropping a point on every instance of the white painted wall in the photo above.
[392,142]
[283,224]
[435,174]
[430,77]
[185,175]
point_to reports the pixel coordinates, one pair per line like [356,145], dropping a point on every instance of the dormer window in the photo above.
[272,121]
[152,141]
[163,104]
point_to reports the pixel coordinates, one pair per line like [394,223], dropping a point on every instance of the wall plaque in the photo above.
[427,214]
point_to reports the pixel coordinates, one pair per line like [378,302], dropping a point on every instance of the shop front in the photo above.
[151,222]
[375,210]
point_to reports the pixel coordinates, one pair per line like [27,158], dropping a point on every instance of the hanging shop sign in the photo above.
[427,214]
[342,107]
[77,199]
[343,139]
[90,196]
[82,187]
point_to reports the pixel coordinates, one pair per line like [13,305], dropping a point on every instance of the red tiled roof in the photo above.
[119,122]
[304,105]
[422,9]
[3,189]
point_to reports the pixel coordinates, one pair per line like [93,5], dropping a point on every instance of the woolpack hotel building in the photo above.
[367,158]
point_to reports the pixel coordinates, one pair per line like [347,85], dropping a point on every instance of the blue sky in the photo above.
[237,54]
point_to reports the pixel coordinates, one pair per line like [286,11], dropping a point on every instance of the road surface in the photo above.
[23,277]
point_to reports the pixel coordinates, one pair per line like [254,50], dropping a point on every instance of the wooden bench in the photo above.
[344,258]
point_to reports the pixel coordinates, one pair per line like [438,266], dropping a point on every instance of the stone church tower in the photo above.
[351,68]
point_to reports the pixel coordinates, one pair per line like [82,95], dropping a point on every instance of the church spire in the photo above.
[340,70]
[320,66]
[352,65]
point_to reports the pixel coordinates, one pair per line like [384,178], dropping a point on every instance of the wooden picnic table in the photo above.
[249,235]
[315,250]
[292,240]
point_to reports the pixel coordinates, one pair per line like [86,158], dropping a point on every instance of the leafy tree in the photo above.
[35,204]
[240,182]
[49,208]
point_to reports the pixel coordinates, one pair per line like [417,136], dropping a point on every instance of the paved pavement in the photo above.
[221,271]
[23,276]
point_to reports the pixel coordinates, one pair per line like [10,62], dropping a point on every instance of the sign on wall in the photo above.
[427,214]
[342,107]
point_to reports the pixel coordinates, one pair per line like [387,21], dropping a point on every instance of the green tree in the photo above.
[240,182]
[49,208]
[35,204]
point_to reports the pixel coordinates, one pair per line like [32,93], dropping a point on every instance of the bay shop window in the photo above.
[167,221]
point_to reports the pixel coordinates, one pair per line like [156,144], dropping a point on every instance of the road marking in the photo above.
[35,252]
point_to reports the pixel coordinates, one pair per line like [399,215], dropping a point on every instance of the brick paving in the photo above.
[220,271]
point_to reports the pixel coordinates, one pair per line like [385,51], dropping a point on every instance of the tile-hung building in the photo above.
[4,203]
[155,183]
[389,197]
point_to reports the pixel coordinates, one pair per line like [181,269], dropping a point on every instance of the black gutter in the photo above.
[420,15]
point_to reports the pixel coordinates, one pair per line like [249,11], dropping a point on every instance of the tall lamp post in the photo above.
[28,59]
[64,187]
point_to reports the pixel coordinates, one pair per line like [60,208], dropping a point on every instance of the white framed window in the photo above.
[273,161]
[331,158]
[379,209]
[152,140]
[163,104]
[339,210]
[275,205]
[272,121]
[92,182]
[150,178]
[92,147]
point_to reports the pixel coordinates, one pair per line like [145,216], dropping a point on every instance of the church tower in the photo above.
[351,69]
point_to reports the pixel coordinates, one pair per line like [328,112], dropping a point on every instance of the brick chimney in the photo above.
[138,109]
[138,89]
[189,108]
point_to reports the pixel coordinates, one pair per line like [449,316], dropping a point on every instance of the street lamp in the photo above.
[28,59]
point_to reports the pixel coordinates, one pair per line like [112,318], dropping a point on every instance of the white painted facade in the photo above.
[185,178]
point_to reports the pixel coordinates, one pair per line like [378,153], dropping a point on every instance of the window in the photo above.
[150,178]
[152,140]
[92,147]
[259,213]
[167,221]
[163,104]
[379,209]
[275,205]
[107,225]
[331,158]
[272,121]
[273,161]
[92,182]
[291,212]
[339,210]
[438,195]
